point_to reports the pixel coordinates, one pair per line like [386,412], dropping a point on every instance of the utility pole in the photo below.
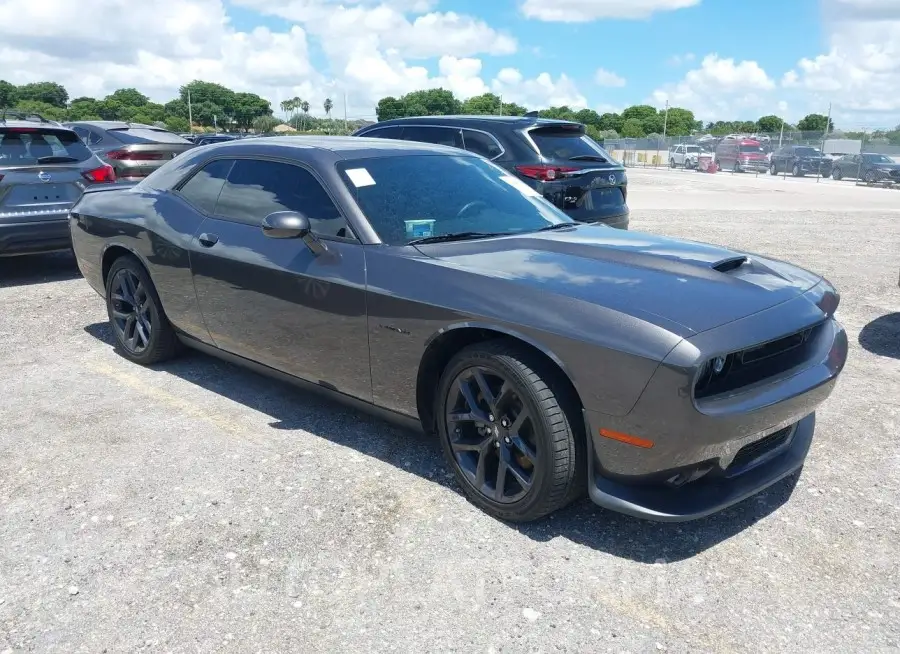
[190,114]
[501,105]
[665,129]
[781,136]
[345,112]
[824,136]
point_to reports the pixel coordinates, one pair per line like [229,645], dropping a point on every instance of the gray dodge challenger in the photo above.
[666,379]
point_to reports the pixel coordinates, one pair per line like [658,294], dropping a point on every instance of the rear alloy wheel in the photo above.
[870,176]
[773,169]
[795,171]
[506,434]
[143,333]
[836,174]
[671,163]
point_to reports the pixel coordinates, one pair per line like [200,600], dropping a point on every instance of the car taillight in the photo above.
[104,173]
[126,155]
[544,173]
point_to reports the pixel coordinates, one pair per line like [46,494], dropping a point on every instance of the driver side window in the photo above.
[255,188]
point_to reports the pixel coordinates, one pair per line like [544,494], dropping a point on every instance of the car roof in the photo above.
[342,147]
[475,119]
[108,124]
[33,124]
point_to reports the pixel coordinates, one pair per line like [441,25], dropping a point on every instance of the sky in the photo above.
[722,59]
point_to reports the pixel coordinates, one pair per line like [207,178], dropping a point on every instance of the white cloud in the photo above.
[583,11]
[860,72]
[538,93]
[681,59]
[720,88]
[607,78]
[372,48]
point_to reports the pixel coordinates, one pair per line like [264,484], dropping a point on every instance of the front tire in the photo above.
[836,174]
[142,331]
[795,171]
[508,430]
[773,169]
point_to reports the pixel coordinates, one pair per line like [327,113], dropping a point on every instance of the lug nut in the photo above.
[504,423]
[491,417]
[496,443]
[507,440]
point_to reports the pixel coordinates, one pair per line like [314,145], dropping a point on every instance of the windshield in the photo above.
[409,197]
[878,158]
[562,143]
[32,145]
[807,152]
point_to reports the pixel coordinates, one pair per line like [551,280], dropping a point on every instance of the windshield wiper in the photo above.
[453,236]
[558,226]
[53,158]
[588,157]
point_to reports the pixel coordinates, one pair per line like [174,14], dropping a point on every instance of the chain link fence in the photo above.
[869,157]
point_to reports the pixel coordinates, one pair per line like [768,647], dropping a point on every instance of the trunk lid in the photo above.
[684,286]
[33,193]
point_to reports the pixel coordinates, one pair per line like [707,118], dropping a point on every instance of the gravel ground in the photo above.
[201,508]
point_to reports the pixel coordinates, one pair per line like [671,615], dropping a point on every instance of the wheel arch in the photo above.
[445,343]
[113,251]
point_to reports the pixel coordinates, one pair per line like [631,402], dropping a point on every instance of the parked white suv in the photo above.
[685,155]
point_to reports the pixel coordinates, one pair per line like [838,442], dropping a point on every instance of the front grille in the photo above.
[757,363]
[752,452]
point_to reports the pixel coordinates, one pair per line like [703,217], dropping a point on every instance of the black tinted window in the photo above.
[255,188]
[204,187]
[481,143]
[438,135]
[563,143]
[392,132]
[31,145]
[146,135]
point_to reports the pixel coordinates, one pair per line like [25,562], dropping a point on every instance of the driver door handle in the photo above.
[208,240]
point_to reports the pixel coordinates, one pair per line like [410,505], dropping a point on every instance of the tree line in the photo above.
[637,121]
[211,106]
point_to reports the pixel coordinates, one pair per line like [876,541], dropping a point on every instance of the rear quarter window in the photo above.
[146,135]
[28,146]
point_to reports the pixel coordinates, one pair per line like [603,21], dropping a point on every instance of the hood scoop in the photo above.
[729,264]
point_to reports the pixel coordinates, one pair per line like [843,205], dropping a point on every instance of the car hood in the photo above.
[668,282]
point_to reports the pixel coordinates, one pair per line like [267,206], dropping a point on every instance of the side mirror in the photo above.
[285,224]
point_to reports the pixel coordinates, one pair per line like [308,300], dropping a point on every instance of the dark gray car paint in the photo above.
[628,317]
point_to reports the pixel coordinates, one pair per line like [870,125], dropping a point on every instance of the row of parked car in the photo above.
[45,165]
[740,154]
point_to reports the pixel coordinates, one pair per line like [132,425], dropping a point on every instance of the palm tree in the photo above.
[297,102]
[329,105]
[304,106]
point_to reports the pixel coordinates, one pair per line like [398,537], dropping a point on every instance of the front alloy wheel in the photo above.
[491,434]
[502,415]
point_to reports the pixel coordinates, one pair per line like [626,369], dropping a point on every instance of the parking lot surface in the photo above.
[196,507]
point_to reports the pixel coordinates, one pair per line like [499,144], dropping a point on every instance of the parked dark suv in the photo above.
[554,157]
[799,160]
[44,168]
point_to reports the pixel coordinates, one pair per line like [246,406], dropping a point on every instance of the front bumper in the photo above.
[35,237]
[760,166]
[709,494]
[692,462]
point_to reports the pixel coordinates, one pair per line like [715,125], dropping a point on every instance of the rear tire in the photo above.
[773,169]
[837,174]
[140,327]
[671,163]
[796,172]
[542,455]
